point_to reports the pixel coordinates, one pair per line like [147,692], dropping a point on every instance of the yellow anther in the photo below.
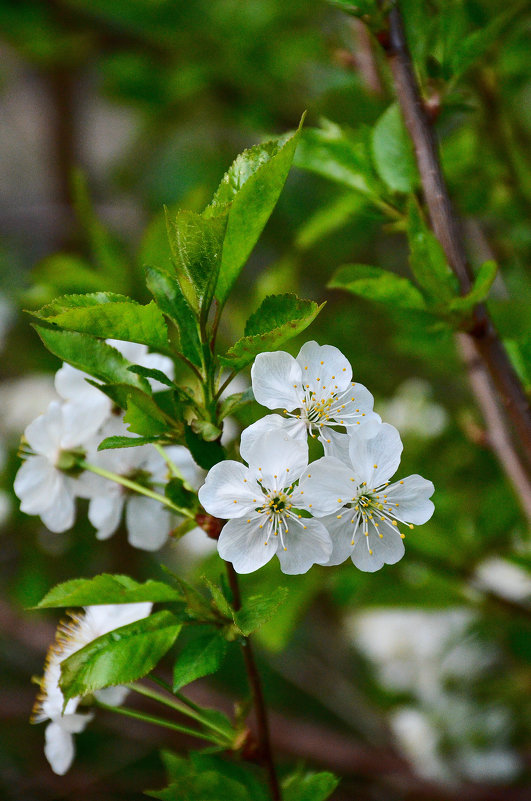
[322,362]
[317,379]
[249,520]
[285,548]
[381,536]
[403,536]
[287,471]
[400,482]
[305,526]
[306,367]
[309,475]
[396,504]
[309,506]
[333,376]
[370,551]
[411,525]
[375,465]
[260,526]
[339,517]
[339,500]
[235,501]
[295,385]
[344,369]
[395,523]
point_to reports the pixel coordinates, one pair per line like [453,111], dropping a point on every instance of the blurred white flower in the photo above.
[418,739]
[412,411]
[504,579]
[71,636]
[22,400]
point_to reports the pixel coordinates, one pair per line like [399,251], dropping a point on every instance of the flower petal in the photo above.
[324,365]
[271,422]
[44,433]
[341,531]
[36,482]
[230,490]
[104,513]
[304,545]
[243,544]
[278,459]
[148,523]
[58,748]
[276,379]
[375,460]
[385,543]
[410,498]
[60,515]
[326,486]
[113,696]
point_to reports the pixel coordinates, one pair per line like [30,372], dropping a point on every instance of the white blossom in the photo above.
[314,390]
[72,635]
[42,483]
[368,507]
[264,505]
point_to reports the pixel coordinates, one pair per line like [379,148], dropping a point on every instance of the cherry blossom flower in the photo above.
[43,483]
[72,635]
[368,507]
[266,509]
[315,391]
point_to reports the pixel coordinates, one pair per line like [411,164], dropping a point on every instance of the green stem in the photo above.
[167,724]
[191,366]
[132,485]
[172,466]
[226,383]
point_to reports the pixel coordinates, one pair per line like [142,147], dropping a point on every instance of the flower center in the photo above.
[371,508]
[327,408]
[278,510]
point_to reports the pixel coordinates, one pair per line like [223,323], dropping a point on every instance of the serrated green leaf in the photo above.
[279,318]
[207,786]
[205,454]
[110,443]
[196,243]
[218,598]
[250,189]
[91,355]
[169,296]
[258,609]
[376,284]
[121,656]
[428,262]
[243,772]
[107,588]
[108,316]
[309,787]
[201,656]
[143,416]
[234,402]
[393,152]
[179,495]
[150,372]
[480,289]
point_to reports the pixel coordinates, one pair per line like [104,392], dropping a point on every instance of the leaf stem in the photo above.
[264,736]
[167,724]
[189,364]
[226,383]
[132,485]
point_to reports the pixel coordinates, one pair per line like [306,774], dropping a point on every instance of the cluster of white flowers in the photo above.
[341,506]
[65,720]
[48,482]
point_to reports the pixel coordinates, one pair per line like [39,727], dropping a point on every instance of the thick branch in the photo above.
[483,333]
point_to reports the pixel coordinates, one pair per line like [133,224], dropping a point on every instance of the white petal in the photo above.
[61,514]
[58,748]
[277,459]
[103,618]
[132,351]
[341,531]
[326,363]
[82,418]
[75,723]
[148,523]
[271,422]
[367,425]
[375,460]
[44,433]
[182,459]
[276,379]
[229,490]
[335,444]
[104,513]
[385,543]
[326,486]
[304,545]
[412,496]
[35,483]
[113,696]
[243,544]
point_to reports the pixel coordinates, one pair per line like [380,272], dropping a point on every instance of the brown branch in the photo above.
[482,335]
[262,722]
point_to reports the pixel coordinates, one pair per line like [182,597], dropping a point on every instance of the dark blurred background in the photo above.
[412,683]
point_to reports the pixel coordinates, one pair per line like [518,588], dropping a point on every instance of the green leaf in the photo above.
[144,417]
[205,454]
[234,402]
[92,356]
[201,656]
[340,155]
[311,787]
[207,430]
[207,786]
[107,589]
[480,290]
[196,243]
[108,316]
[110,443]
[121,656]
[279,318]
[428,262]
[150,372]
[169,296]
[376,284]
[393,153]
[471,48]
[218,598]
[258,609]
[250,189]
[179,495]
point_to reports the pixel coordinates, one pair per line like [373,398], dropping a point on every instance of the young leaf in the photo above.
[311,787]
[150,372]
[376,284]
[92,356]
[207,786]
[169,296]
[144,417]
[179,495]
[121,656]
[205,454]
[108,316]
[201,656]
[480,290]
[196,243]
[250,189]
[428,262]
[258,609]
[107,589]
[243,772]
[232,403]
[279,318]
[110,443]
[393,153]
[218,598]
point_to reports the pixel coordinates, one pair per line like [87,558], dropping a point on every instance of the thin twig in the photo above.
[482,334]
[264,736]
